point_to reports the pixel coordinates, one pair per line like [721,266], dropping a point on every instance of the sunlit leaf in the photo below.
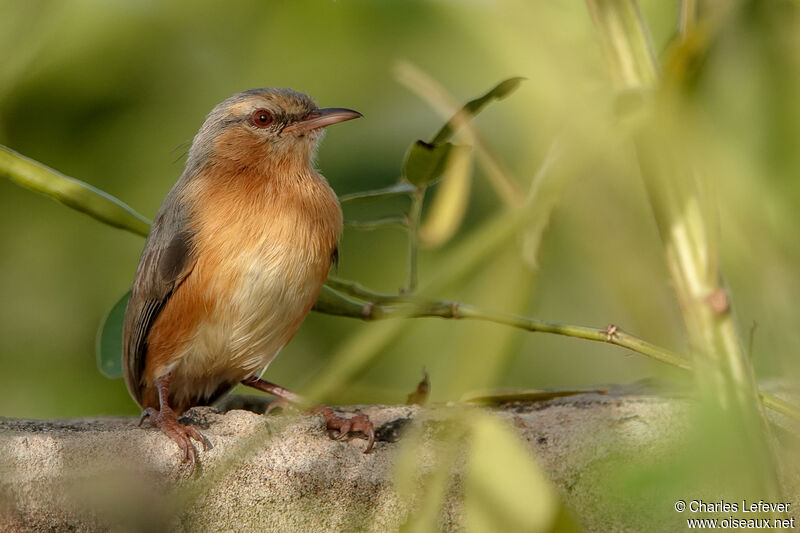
[504,489]
[425,162]
[71,192]
[449,205]
[108,347]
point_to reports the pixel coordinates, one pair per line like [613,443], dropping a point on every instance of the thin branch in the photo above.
[367,225]
[401,188]
[359,291]
[377,306]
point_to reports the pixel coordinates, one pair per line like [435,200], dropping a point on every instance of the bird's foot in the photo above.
[279,403]
[167,421]
[342,428]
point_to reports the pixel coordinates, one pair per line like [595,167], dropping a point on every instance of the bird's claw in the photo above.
[147,413]
[342,428]
[279,403]
[181,434]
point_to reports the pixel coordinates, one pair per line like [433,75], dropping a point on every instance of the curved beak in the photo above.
[321,118]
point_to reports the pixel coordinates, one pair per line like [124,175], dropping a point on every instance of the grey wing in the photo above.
[165,263]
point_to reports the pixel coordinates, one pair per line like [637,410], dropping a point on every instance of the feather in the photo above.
[165,263]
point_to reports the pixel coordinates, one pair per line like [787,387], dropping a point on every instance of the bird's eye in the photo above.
[261,118]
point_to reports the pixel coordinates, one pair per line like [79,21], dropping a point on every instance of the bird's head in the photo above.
[262,127]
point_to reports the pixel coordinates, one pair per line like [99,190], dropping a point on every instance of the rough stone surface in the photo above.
[283,473]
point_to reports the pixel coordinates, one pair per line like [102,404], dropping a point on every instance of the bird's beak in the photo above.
[321,118]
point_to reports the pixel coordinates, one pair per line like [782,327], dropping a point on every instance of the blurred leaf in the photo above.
[473,107]
[425,162]
[423,470]
[449,205]
[625,40]
[504,488]
[108,347]
[685,60]
[73,193]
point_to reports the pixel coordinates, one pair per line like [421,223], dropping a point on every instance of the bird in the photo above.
[234,261]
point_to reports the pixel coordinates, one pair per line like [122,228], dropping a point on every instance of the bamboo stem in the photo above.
[685,223]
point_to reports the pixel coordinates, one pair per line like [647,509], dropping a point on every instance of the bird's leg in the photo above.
[167,421]
[343,426]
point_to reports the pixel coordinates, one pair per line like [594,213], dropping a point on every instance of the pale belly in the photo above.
[259,304]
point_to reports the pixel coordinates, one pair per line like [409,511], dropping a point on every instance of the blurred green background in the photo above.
[110,91]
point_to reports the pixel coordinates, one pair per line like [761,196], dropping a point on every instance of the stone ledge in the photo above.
[286,474]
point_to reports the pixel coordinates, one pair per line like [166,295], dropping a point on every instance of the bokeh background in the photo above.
[110,92]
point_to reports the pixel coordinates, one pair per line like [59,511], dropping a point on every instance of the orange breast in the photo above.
[263,246]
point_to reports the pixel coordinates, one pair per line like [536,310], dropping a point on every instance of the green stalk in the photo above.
[683,215]
[414,217]
[73,193]
[335,299]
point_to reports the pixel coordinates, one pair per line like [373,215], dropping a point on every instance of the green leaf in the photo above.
[109,339]
[425,162]
[73,193]
[475,106]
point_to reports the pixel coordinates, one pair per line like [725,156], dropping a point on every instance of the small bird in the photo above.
[234,261]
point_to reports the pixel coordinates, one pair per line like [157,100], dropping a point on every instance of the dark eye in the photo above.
[261,118]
